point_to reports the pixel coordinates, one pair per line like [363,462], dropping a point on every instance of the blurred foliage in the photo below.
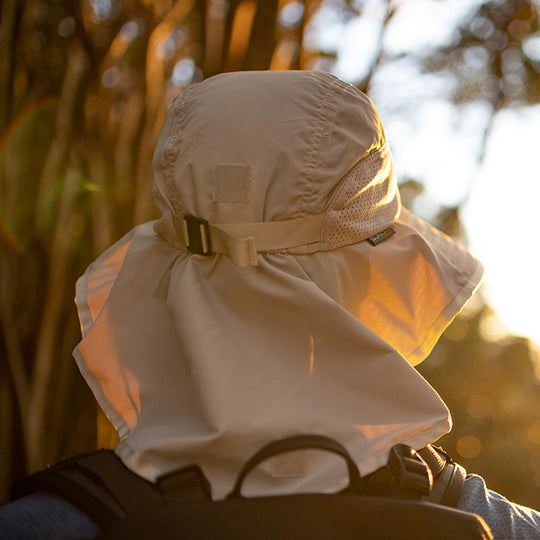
[495,55]
[493,392]
[84,87]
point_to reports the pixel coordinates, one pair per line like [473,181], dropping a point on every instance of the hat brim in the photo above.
[407,289]
[194,358]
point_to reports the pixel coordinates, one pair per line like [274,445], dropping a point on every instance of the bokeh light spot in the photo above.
[534,432]
[519,28]
[66,27]
[291,14]
[130,30]
[110,77]
[469,446]
[476,57]
[183,72]
[103,9]
[531,46]
[481,27]
[479,406]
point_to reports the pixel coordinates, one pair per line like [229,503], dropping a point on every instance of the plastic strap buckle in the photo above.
[197,235]
[413,476]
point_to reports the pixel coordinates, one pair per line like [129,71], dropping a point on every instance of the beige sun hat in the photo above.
[283,290]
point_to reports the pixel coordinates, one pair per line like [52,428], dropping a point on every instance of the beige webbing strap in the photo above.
[242,241]
[448,477]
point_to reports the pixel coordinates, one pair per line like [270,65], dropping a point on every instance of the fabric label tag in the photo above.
[289,465]
[380,237]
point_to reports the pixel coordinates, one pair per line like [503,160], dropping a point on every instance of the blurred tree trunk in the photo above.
[84,88]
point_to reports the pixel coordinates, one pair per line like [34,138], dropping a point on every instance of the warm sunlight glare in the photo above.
[311,354]
[501,219]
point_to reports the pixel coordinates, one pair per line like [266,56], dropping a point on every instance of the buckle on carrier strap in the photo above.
[197,235]
[413,475]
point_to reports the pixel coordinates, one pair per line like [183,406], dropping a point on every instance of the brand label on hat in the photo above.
[380,237]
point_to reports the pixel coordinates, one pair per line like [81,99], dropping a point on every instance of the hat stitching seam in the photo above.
[166,163]
[171,150]
[320,131]
[330,126]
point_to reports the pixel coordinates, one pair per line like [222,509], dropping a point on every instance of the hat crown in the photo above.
[270,146]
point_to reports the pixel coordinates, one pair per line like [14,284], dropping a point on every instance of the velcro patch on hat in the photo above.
[232,183]
[380,237]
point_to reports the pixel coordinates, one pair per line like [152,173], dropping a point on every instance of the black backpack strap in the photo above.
[101,486]
[77,485]
[133,493]
[184,486]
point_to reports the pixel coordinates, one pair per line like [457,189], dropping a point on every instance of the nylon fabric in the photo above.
[195,359]
[204,385]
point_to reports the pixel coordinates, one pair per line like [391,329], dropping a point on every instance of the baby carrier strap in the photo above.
[447,478]
[179,504]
